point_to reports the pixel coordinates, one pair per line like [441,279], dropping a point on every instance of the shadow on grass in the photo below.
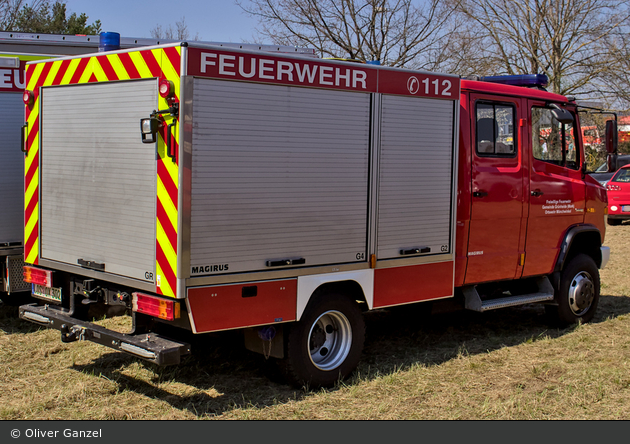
[221,376]
[11,323]
[397,339]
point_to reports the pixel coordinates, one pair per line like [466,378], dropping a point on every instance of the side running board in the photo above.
[473,300]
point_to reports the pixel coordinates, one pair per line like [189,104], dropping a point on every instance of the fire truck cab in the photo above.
[525,204]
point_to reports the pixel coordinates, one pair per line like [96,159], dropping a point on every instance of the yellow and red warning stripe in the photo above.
[161,63]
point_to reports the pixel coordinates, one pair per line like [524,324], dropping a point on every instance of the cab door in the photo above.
[557,188]
[498,206]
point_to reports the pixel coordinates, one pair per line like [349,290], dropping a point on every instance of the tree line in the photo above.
[42,16]
[581,45]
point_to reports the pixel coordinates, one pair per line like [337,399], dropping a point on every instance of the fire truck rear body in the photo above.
[16,49]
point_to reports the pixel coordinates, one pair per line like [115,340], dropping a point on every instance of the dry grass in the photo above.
[506,364]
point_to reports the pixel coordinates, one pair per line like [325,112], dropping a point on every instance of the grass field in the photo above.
[506,364]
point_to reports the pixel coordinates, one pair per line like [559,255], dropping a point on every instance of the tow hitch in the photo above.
[149,346]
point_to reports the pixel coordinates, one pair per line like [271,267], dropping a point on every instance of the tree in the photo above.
[568,40]
[43,18]
[180,32]
[9,11]
[618,78]
[397,32]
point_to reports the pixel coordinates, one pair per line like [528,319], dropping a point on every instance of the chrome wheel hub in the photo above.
[581,293]
[330,340]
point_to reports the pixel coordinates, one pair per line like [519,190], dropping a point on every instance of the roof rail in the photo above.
[58,44]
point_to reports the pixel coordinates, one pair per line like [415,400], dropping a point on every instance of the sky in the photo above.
[213,20]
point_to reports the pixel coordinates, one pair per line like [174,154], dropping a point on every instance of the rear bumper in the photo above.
[151,347]
[615,210]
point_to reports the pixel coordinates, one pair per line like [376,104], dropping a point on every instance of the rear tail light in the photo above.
[153,306]
[611,187]
[38,276]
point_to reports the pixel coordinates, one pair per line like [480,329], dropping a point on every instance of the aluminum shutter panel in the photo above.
[11,169]
[415,180]
[278,172]
[98,182]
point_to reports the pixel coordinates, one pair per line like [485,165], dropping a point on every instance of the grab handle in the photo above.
[24,138]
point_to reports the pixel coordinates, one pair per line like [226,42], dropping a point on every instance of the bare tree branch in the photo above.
[180,32]
[568,40]
[395,32]
[10,11]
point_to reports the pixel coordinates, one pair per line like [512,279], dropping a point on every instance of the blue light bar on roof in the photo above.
[109,41]
[527,80]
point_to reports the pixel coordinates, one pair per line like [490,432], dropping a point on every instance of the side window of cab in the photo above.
[495,129]
[553,141]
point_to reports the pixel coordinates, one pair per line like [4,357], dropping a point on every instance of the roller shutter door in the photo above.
[98,186]
[278,173]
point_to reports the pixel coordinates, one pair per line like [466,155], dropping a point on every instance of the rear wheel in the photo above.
[326,344]
[578,294]
[614,221]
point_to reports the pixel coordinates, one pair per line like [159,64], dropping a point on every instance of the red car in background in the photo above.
[619,196]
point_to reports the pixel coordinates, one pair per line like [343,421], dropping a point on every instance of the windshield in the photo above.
[602,168]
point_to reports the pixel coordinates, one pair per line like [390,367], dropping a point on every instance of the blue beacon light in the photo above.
[527,80]
[109,41]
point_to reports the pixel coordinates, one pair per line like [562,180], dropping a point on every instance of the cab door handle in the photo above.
[537,193]
[480,193]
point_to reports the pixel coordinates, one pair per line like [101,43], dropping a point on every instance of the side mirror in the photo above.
[148,129]
[561,114]
[611,145]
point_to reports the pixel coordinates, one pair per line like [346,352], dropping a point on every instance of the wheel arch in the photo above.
[356,284]
[585,239]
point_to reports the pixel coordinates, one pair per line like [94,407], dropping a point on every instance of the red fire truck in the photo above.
[211,189]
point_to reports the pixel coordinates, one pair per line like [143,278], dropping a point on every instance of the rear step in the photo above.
[474,302]
[151,347]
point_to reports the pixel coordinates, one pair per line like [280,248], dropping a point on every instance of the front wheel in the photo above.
[578,294]
[326,344]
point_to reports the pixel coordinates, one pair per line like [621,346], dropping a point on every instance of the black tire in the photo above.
[578,295]
[325,346]
[614,221]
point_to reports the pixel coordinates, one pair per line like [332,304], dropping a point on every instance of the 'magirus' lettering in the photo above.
[209,268]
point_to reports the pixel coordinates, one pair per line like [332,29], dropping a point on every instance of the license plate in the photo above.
[47,293]
[625,208]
